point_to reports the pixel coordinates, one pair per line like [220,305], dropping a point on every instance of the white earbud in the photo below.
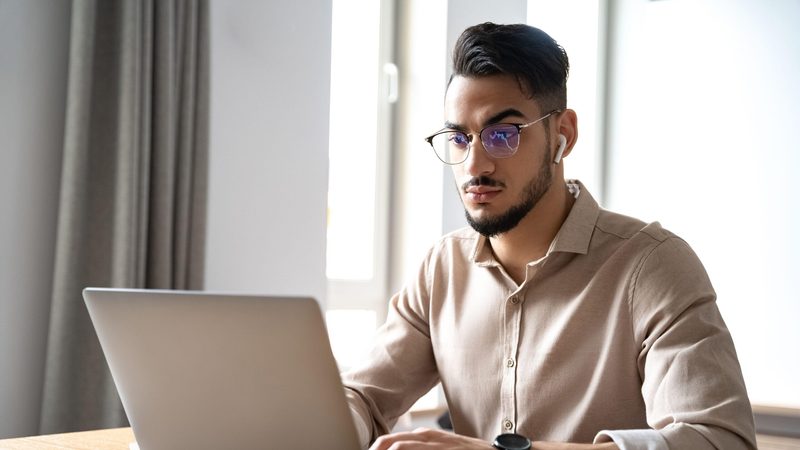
[562,144]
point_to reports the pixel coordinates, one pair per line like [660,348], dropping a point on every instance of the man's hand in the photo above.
[423,438]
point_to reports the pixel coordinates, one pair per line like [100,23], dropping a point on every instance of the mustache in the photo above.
[482,181]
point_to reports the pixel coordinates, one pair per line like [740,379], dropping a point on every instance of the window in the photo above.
[363,88]
[353,140]
[361,96]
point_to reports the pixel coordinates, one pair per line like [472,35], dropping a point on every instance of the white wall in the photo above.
[270,85]
[704,138]
[34,39]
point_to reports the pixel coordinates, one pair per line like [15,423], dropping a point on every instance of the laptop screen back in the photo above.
[201,370]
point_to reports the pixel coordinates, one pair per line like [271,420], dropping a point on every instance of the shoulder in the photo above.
[454,250]
[662,269]
[620,225]
[669,262]
[668,280]
[659,257]
[462,243]
[633,237]
[461,235]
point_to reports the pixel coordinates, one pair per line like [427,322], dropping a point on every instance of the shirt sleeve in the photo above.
[401,366]
[692,384]
[633,439]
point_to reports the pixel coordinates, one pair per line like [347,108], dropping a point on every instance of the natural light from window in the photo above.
[353,139]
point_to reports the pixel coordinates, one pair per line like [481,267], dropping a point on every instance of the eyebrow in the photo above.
[497,118]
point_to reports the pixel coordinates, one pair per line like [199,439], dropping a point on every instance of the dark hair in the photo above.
[537,61]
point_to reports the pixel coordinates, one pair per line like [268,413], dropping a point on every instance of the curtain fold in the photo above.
[132,208]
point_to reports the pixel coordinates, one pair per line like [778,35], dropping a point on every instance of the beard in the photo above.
[530,196]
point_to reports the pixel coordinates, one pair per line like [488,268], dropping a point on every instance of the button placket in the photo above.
[511,328]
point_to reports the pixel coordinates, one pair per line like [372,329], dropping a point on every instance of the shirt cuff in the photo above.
[362,430]
[633,439]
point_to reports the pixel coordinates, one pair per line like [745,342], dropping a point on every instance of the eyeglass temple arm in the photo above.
[526,125]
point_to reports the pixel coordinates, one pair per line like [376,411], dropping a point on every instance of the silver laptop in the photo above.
[211,371]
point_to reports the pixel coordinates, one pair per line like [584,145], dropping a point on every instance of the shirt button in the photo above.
[508,425]
[514,300]
[510,362]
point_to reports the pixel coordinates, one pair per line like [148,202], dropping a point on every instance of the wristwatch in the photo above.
[511,441]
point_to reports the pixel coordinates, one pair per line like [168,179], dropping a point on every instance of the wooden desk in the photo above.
[113,439]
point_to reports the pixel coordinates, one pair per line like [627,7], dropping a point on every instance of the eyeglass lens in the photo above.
[500,141]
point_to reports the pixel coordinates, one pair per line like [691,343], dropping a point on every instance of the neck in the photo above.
[531,238]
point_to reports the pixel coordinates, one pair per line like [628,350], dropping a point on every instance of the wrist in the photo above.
[511,441]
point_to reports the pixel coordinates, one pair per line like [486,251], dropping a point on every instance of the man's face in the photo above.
[498,193]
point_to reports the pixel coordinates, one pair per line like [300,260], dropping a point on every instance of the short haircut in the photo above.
[529,54]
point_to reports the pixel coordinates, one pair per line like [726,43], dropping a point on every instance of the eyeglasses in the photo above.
[501,140]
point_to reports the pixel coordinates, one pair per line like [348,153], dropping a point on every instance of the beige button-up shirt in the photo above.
[614,334]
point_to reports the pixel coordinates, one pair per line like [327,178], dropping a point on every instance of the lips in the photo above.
[482,194]
[481,190]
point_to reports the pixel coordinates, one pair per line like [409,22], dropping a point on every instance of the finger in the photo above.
[387,440]
[424,438]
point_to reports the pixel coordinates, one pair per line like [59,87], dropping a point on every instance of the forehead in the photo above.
[471,100]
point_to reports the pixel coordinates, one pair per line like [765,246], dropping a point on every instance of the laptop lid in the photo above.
[203,370]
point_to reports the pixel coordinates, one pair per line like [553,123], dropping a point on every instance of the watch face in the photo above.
[512,441]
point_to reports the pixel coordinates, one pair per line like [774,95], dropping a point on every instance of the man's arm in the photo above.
[401,366]
[692,383]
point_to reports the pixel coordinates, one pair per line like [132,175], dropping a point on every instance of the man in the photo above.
[549,319]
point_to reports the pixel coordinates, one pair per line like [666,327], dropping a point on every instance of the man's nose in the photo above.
[478,161]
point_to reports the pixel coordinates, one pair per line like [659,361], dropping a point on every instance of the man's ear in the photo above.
[567,124]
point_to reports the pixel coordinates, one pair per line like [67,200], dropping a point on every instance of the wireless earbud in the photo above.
[562,144]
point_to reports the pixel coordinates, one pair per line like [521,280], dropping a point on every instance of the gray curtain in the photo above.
[133,186]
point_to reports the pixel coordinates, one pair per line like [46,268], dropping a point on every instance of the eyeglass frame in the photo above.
[470,138]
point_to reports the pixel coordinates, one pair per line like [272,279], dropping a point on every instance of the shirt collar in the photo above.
[573,236]
[576,232]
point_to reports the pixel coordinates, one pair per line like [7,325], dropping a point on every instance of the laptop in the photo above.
[209,371]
